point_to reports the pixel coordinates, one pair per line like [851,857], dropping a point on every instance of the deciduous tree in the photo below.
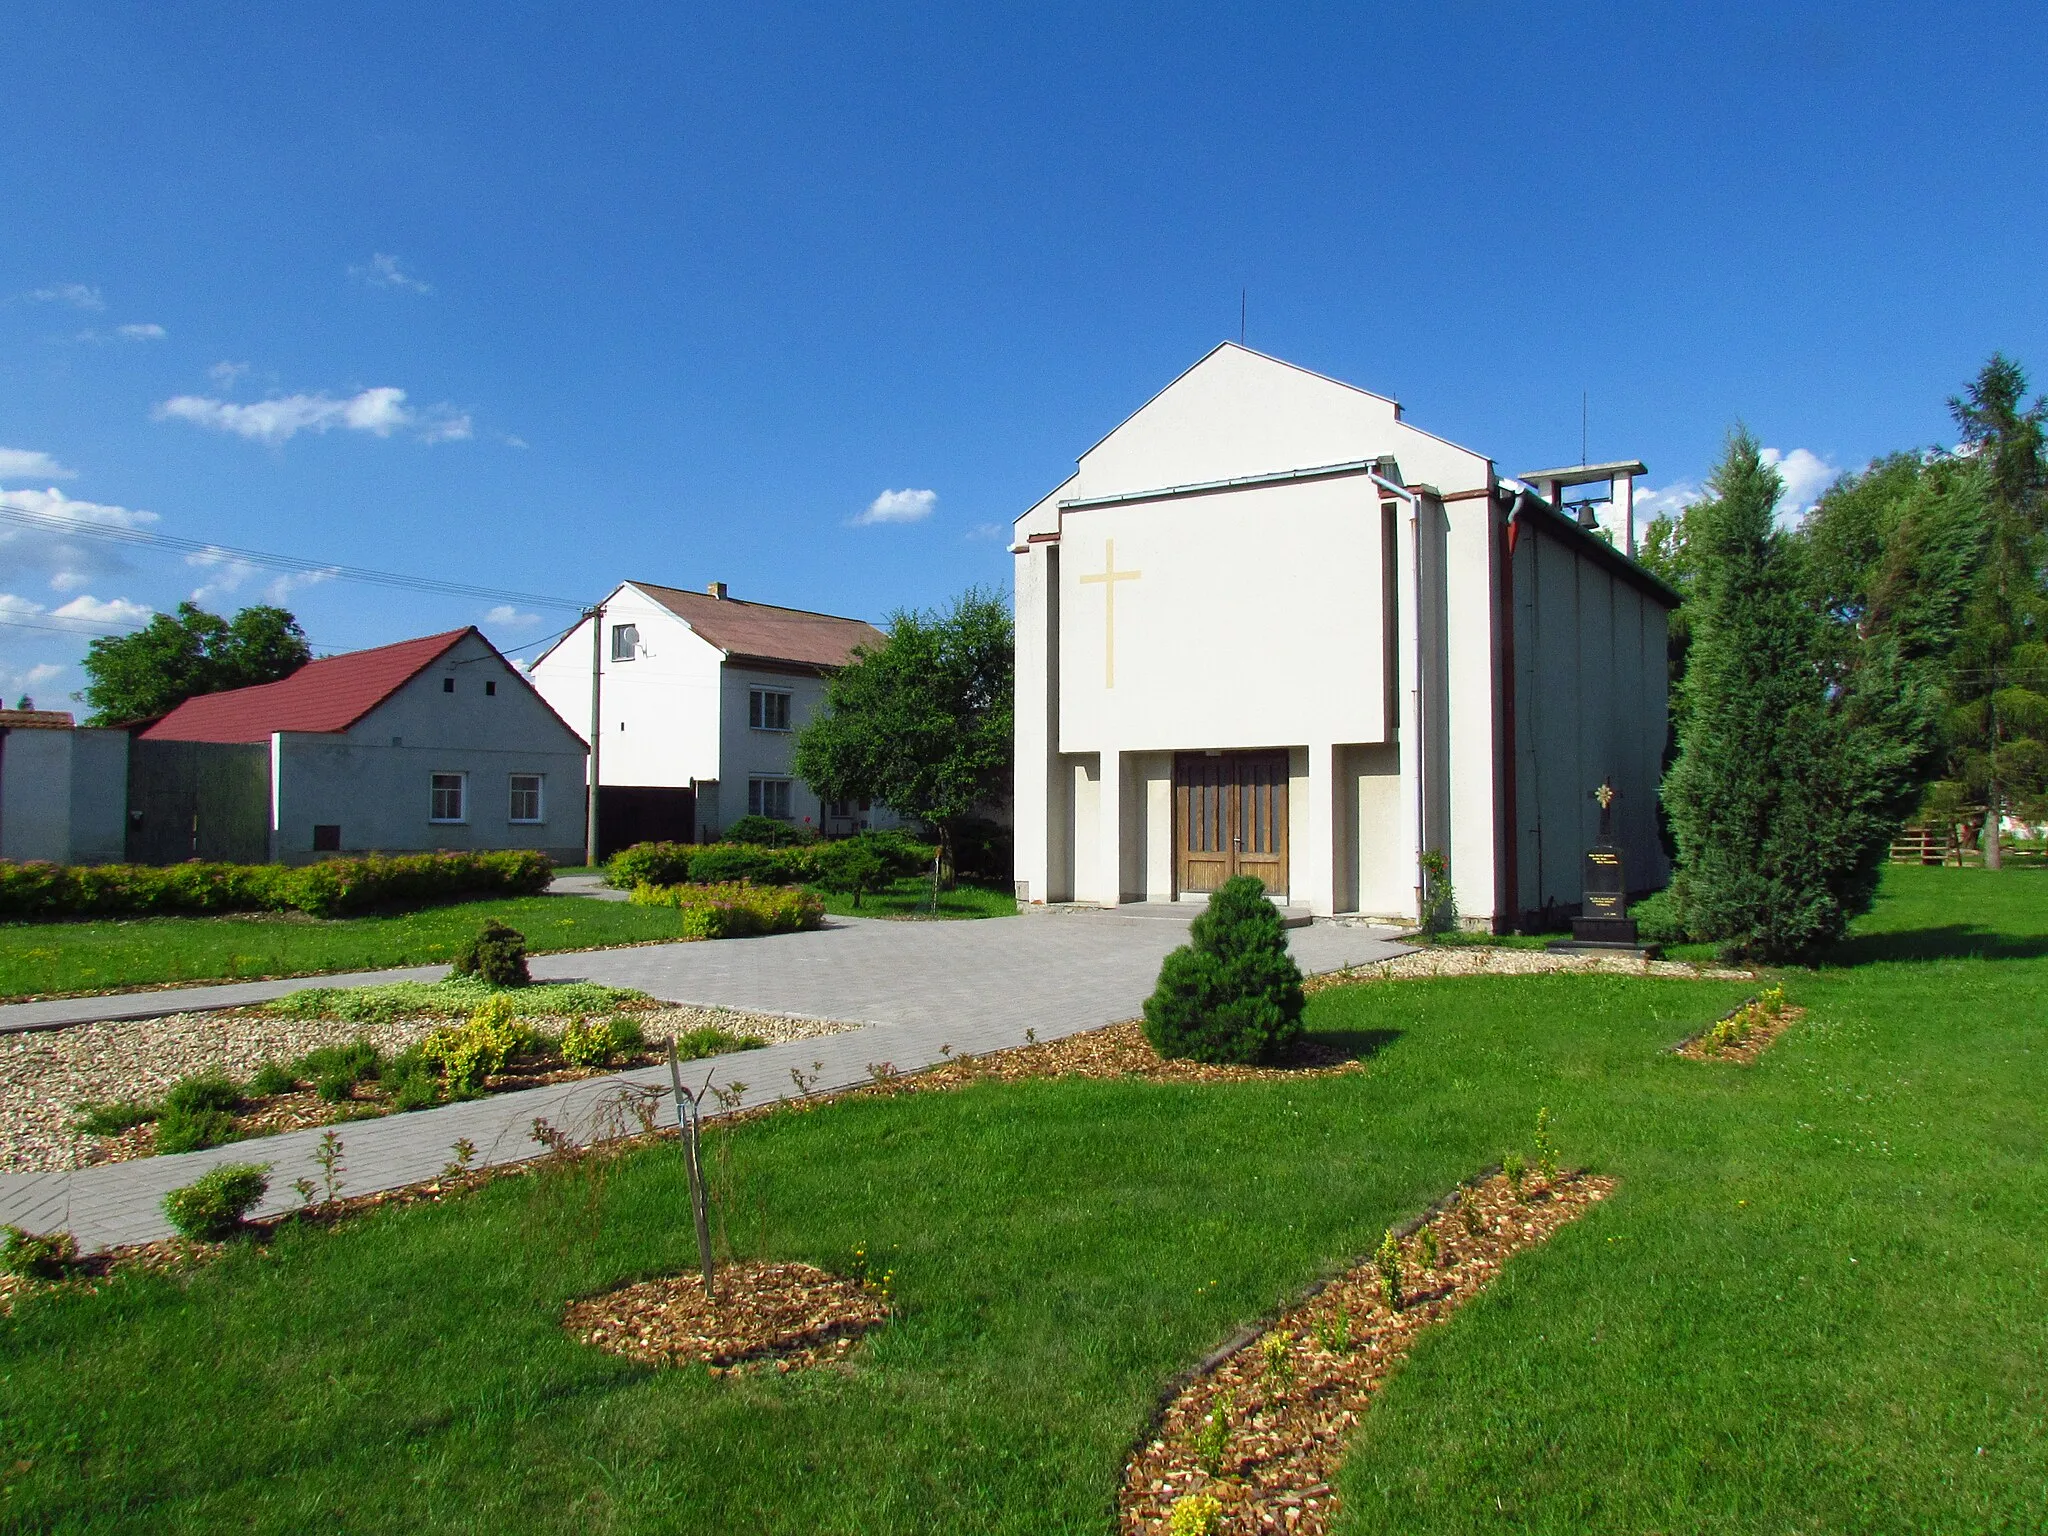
[923,722]
[151,672]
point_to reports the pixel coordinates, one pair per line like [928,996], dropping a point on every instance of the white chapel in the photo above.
[1268,627]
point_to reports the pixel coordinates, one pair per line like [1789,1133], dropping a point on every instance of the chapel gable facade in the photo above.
[1268,627]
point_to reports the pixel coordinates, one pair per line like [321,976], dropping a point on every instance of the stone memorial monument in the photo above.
[1604,922]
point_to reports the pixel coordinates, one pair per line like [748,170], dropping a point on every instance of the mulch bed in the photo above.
[1745,1051]
[765,1316]
[1289,1408]
[1120,1050]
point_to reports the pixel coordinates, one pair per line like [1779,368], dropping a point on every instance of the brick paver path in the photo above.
[916,986]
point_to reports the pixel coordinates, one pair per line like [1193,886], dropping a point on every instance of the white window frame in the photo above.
[540,800]
[758,797]
[625,642]
[757,709]
[434,790]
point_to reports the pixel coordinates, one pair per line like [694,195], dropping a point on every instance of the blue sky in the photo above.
[678,293]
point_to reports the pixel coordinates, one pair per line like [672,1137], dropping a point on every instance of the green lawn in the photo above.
[39,958]
[912,897]
[1815,1305]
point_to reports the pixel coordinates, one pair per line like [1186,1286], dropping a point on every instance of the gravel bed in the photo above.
[1506,960]
[46,1075]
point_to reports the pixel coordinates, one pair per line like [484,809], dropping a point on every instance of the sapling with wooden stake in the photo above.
[688,1117]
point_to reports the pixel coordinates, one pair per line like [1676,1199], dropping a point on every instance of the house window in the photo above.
[327,839]
[768,797]
[447,685]
[490,690]
[448,796]
[768,709]
[526,797]
[625,641]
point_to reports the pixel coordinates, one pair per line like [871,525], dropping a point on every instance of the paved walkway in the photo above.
[917,986]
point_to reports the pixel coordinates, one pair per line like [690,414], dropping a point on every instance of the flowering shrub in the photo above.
[1195,1514]
[469,1052]
[330,888]
[735,911]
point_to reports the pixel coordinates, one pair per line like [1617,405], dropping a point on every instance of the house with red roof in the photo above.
[701,696]
[434,743]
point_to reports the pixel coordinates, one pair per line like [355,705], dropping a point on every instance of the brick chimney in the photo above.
[717,590]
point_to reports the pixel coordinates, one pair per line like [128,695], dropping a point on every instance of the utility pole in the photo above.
[596,617]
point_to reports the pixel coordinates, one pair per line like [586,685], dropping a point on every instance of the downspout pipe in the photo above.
[1421,694]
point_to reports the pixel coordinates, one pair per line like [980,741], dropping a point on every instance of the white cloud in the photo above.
[225,373]
[988,531]
[383,271]
[228,573]
[505,616]
[1805,475]
[904,506]
[117,612]
[380,411]
[18,685]
[68,561]
[513,442]
[445,424]
[31,464]
[77,295]
[98,338]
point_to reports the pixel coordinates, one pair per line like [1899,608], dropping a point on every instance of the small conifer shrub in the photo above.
[1212,1441]
[1387,1260]
[497,955]
[1546,1149]
[212,1207]
[1517,1169]
[1232,994]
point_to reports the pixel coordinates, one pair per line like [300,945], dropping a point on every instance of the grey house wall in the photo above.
[198,800]
[375,780]
[63,795]
[1591,699]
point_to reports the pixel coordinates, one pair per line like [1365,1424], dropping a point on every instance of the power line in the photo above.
[24,517]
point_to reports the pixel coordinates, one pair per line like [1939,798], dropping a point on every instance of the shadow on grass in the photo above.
[1351,1044]
[1952,941]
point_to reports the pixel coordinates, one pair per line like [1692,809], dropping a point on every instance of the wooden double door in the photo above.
[1230,818]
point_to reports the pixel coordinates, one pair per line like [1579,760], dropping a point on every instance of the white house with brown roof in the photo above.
[701,695]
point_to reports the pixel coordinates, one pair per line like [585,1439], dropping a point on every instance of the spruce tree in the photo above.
[1743,796]
[1998,722]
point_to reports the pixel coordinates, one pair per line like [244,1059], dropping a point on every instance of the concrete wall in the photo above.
[374,781]
[64,795]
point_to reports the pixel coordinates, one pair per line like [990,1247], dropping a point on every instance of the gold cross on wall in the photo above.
[1107,578]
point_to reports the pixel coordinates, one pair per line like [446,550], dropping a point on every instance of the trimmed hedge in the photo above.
[331,888]
[754,863]
[735,911]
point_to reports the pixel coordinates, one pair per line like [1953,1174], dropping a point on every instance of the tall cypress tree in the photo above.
[1743,797]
